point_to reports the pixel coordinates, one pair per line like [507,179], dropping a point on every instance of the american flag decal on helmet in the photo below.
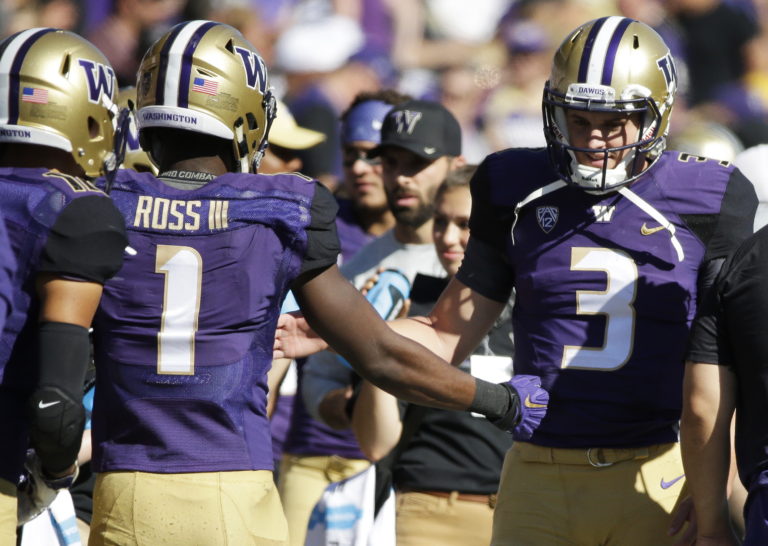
[547,217]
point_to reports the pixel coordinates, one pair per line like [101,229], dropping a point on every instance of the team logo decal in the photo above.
[406,120]
[603,213]
[100,78]
[255,69]
[547,217]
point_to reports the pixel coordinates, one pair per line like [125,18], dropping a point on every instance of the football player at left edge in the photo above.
[57,120]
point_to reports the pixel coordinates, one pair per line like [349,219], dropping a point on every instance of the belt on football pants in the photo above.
[489,500]
[594,456]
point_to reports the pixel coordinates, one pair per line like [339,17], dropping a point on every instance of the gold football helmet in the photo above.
[206,77]
[57,89]
[707,139]
[134,156]
[611,64]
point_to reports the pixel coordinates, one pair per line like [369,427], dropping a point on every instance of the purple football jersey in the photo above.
[184,333]
[603,300]
[33,202]
[7,271]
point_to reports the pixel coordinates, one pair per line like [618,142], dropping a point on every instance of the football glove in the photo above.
[528,408]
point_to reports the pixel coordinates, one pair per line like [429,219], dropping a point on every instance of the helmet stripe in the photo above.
[186,64]
[586,53]
[593,62]
[11,58]
[162,68]
[613,46]
[172,59]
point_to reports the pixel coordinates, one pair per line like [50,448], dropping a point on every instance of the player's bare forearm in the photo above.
[705,442]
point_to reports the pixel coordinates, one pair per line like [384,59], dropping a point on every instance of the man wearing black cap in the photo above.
[420,145]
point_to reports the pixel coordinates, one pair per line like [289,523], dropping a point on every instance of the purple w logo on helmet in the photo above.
[255,69]
[101,79]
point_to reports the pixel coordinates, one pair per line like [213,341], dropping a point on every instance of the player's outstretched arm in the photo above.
[341,315]
[708,405]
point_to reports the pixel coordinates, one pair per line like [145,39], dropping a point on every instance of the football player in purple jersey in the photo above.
[57,117]
[184,335]
[608,242]
[7,271]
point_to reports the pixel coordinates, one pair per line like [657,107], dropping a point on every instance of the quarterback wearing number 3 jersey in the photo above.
[608,241]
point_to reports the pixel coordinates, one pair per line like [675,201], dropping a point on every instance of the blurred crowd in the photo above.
[485,61]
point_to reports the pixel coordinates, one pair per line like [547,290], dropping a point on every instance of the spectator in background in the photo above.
[513,111]
[463,93]
[447,474]
[420,145]
[286,139]
[128,31]
[720,44]
[321,80]
[316,454]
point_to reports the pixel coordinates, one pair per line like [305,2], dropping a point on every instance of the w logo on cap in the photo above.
[101,79]
[406,120]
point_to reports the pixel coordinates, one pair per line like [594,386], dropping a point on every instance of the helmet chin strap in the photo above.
[592,180]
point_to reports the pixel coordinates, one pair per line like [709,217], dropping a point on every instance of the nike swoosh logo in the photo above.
[529,404]
[670,483]
[645,230]
[429,150]
[43,405]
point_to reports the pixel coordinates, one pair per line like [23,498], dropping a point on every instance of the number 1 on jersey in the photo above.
[182,267]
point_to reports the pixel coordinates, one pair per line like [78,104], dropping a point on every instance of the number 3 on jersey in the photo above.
[615,302]
[182,267]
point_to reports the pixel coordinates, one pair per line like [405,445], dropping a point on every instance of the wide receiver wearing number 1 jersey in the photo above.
[189,320]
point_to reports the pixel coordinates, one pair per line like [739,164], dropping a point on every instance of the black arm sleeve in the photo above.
[484,268]
[704,344]
[723,232]
[86,241]
[322,240]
